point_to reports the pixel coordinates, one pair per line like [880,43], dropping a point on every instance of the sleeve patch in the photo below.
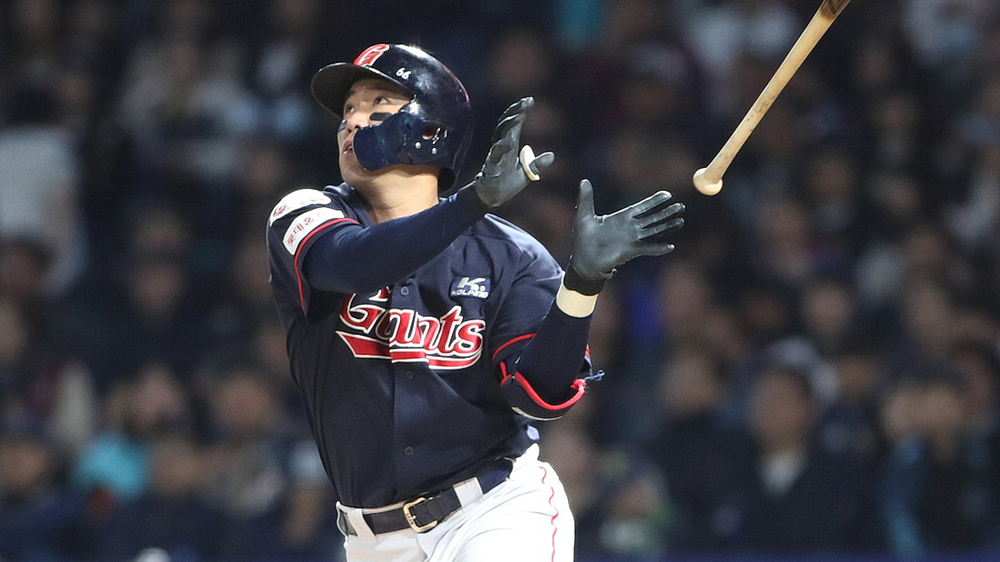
[306,223]
[297,200]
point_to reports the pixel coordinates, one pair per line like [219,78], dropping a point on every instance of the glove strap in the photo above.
[469,198]
[574,282]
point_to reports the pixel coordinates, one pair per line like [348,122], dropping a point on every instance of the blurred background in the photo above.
[812,374]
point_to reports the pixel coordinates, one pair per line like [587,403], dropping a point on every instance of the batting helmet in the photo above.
[434,128]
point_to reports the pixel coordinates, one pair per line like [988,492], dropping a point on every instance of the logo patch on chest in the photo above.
[476,287]
[448,342]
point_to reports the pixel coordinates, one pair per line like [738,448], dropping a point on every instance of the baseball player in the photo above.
[424,334]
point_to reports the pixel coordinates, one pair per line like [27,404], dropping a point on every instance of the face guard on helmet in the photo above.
[434,128]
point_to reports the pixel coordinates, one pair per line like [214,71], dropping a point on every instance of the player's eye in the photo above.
[381,100]
[348,108]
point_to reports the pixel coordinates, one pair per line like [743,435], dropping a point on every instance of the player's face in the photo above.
[369,102]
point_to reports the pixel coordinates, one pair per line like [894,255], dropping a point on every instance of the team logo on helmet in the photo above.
[371,54]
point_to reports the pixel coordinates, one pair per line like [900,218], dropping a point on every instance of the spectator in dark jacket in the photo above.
[696,451]
[799,496]
[39,519]
[939,492]
[172,515]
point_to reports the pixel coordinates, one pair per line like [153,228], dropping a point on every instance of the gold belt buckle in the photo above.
[411,519]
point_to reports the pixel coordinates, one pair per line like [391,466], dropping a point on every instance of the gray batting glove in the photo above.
[602,243]
[503,176]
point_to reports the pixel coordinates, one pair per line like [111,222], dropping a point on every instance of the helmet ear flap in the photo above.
[403,138]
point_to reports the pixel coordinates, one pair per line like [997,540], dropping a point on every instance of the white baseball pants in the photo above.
[524,519]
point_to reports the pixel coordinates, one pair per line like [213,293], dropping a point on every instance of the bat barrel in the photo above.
[709,180]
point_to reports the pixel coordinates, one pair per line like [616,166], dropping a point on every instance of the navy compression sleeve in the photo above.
[354,259]
[552,360]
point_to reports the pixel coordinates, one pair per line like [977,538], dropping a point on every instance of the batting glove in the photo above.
[602,243]
[503,175]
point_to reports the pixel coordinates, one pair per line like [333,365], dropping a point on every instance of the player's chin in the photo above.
[353,173]
[349,166]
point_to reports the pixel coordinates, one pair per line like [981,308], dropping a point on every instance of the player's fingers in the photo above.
[512,116]
[519,106]
[512,125]
[654,248]
[659,214]
[651,231]
[500,149]
[541,163]
[664,203]
[650,203]
[513,133]
[508,139]
[585,203]
[503,127]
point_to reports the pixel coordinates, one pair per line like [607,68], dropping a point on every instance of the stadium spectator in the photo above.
[39,518]
[135,413]
[695,450]
[266,477]
[939,490]
[793,482]
[172,514]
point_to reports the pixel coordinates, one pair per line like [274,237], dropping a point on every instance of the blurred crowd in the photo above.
[815,369]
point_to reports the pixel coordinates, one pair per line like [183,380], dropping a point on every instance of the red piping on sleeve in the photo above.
[298,254]
[515,340]
[579,385]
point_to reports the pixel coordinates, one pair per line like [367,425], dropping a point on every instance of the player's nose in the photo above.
[356,120]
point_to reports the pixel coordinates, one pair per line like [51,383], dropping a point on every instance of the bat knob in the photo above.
[526,157]
[704,185]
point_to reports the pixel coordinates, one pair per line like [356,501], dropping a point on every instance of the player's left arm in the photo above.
[527,321]
[545,378]
[545,372]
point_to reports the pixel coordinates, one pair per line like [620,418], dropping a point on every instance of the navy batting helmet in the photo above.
[434,128]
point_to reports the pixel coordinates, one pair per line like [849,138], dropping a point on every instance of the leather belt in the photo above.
[424,512]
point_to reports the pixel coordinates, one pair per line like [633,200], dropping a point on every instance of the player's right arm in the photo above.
[328,250]
[316,242]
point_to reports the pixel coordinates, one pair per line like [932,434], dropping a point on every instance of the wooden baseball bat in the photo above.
[708,180]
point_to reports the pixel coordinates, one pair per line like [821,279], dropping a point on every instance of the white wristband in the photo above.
[575,304]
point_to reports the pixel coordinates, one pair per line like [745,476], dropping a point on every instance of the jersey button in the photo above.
[408,451]
[409,375]
[404,291]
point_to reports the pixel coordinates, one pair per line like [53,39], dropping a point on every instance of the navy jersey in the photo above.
[402,382]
